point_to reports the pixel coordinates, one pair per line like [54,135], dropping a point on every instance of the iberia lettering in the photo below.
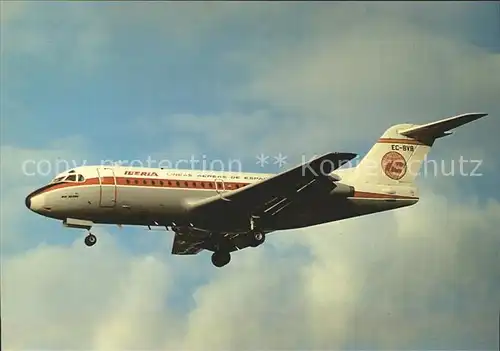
[139,173]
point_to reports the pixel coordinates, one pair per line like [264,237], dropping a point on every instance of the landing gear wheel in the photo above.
[220,258]
[257,238]
[90,240]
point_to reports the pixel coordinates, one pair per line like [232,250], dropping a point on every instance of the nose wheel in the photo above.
[90,240]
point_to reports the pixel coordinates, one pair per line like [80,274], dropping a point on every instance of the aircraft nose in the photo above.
[34,203]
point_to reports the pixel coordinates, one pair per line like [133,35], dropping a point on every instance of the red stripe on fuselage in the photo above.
[400,141]
[188,184]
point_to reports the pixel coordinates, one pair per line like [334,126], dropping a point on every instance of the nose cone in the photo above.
[34,203]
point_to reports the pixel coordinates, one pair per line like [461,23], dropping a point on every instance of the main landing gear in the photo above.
[221,258]
[222,251]
[257,237]
[90,240]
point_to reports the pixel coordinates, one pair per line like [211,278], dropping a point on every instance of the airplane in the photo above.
[223,212]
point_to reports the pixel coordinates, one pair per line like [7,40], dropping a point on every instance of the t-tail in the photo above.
[398,155]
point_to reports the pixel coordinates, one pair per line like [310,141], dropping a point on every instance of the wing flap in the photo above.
[187,245]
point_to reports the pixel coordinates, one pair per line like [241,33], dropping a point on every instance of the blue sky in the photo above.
[123,81]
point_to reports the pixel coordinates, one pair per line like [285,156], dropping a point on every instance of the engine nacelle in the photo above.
[342,190]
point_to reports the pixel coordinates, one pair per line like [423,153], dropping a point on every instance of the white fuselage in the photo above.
[153,196]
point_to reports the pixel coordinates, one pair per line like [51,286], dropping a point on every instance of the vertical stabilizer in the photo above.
[398,155]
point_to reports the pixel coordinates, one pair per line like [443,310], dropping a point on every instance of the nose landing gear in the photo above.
[90,240]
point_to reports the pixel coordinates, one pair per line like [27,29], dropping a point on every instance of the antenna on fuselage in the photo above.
[155,223]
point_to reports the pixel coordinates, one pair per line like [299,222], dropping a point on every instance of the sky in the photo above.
[84,82]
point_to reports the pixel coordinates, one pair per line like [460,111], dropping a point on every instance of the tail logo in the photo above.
[394,165]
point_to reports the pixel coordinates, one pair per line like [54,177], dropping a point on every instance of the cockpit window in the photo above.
[57,180]
[69,178]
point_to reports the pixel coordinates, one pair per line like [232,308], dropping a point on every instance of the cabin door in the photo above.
[107,184]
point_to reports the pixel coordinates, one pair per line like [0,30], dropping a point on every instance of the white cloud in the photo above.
[64,296]
[23,166]
[24,170]
[361,279]
[137,306]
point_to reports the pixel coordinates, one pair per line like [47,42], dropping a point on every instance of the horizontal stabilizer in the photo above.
[440,128]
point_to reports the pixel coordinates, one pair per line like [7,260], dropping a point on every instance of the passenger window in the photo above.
[161,182]
[71,178]
[128,181]
[153,182]
[80,178]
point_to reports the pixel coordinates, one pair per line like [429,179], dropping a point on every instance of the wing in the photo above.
[268,196]
[275,192]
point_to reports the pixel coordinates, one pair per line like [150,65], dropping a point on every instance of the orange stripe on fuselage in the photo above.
[189,184]
[91,181]
[149,182]
[399,141]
